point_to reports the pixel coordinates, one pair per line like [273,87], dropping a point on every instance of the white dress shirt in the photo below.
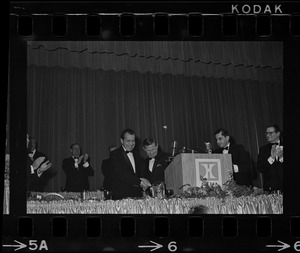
[151,163]
[131,158]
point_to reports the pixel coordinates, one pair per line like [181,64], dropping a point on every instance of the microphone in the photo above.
[174,145]
[208,147]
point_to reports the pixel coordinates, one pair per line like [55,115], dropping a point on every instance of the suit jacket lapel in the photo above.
[158,158]
[136,162]
[231,149]
[126,157]
[154,166]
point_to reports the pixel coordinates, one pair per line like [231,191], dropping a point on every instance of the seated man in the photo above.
[77,169]
[155,164]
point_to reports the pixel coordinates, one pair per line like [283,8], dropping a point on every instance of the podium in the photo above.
[186,168]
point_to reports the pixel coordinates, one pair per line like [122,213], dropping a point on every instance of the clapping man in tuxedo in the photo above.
[77,169]
[126,167]
[38,166]
[240,158]
[270,160]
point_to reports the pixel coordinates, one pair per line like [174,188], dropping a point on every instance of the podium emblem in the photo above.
[209,169]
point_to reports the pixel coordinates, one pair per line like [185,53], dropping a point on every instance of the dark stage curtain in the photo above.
[92,106]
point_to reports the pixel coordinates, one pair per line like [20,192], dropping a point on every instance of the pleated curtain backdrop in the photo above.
[77,93]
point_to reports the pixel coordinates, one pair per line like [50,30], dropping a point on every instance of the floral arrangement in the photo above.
[231,189]
[209,198]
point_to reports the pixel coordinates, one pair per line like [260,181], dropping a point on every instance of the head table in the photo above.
[93,203]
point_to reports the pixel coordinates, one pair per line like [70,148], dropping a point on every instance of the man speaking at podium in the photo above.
[240,159]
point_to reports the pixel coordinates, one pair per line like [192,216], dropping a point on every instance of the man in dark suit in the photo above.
[240,158]
[156,162]
[106,168]
[78,170]
[126,165]
[37,175]
[270,160]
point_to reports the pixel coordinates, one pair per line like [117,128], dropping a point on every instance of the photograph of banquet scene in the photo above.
[155,127]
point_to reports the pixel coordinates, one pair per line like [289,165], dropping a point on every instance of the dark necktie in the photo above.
[226,148]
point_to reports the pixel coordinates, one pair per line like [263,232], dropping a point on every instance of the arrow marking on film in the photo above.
[156,246]
[18,246]
[282,245]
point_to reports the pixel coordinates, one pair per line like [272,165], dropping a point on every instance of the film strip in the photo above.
[102,29]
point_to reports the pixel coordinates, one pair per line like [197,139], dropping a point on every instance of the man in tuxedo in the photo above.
[270,160]
[126,166]
[156,162]
[37,171]
[106,168]
[240,158]
[77,169]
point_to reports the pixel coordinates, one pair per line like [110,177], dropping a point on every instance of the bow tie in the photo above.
[127,151]
[76,158]
[226,148]
[275,143]
[150,158]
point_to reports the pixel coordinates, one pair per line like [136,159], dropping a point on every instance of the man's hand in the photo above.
[279,152]
[79,159]
[45,166]
[37,162]
[273,151]
[144,183]
[85,158]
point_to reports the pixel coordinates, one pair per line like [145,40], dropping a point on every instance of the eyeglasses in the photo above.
[269,133]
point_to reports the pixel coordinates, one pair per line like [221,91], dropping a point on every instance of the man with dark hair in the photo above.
[270,160]
[77,169]
[37,174]
[156,162]
[240,158]
[126,166]
[199,209]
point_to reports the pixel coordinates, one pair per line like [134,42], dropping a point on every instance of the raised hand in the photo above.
[279,152]
[45,166]
[37,162]
[85,158]
[80,158]
[273,151]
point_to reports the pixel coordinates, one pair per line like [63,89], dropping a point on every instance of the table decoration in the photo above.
[260,204]
[209,198]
